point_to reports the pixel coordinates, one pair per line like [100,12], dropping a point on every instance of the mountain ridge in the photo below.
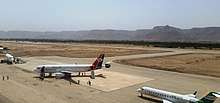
[158,33]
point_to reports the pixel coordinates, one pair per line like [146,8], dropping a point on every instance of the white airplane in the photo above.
[9,59]
[66,70]
[169,97]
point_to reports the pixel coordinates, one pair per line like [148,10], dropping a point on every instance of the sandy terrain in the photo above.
[70,50]
[204,64]
[118,85]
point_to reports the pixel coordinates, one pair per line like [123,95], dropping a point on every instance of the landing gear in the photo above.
[50,74]
[67,76]
[141,94]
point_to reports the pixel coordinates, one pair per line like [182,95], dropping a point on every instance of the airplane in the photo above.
[9,59]
[65,70]
[170,97]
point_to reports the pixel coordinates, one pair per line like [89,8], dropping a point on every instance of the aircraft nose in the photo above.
[138,90]
[36,70]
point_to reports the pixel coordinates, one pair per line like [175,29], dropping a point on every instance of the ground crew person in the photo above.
[78,81]
[7,77]
[89,82]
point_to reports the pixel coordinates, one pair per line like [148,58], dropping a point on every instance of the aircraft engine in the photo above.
[107,65]
[59,75]
[92,74]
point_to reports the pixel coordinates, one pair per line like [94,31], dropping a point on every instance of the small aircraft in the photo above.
[65,70]
[10,59]
[170,97]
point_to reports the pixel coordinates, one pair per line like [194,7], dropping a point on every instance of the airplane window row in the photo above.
[162,95]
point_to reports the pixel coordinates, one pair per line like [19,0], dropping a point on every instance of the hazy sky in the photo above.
[57,15]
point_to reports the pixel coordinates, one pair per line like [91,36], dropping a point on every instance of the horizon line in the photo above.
[108,29]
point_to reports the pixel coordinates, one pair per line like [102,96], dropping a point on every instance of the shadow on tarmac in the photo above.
[151,99]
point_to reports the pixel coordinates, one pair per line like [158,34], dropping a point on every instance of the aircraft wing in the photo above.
[191,95]
[166,101]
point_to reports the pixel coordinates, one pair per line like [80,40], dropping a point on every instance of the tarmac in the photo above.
[118,84]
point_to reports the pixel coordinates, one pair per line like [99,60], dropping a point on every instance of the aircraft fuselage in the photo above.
[68,67]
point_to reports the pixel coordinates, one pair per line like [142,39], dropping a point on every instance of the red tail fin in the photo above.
[98,62]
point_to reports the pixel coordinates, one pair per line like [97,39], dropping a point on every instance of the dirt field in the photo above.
[70,50]
[204,64]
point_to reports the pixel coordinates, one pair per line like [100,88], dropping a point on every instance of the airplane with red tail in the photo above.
[65,70]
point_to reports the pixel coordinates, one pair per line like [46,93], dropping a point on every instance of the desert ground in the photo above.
[115,85]
[74,50]
[197,63]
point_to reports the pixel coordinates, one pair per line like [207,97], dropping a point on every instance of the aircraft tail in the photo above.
[98,62]
[211,97]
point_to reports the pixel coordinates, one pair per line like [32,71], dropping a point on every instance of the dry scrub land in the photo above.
[70,50]
[204,64]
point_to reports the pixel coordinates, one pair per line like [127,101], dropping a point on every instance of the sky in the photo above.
[72,15]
